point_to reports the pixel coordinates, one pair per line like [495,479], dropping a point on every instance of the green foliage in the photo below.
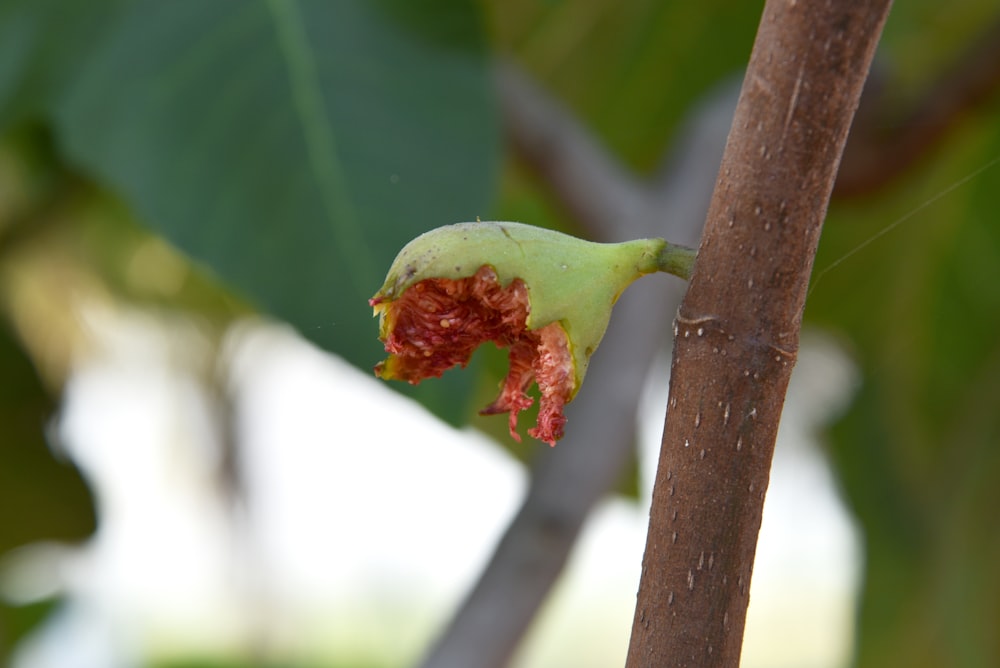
[285,145]
[916,454]
[631,70]
[298,134]
[42,498]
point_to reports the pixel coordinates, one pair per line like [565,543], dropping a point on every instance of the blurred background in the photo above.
[197,467]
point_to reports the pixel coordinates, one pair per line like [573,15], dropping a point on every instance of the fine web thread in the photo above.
[899,221]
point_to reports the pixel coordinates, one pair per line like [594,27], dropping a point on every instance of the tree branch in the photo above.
[571,478]
[736,333]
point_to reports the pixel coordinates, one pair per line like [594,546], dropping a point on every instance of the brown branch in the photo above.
[737,328]
[883,144]
[571,478]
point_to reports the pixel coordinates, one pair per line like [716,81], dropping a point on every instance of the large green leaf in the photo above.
[42,45]
[292,146]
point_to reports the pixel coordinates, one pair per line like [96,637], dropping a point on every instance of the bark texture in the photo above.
[737,330]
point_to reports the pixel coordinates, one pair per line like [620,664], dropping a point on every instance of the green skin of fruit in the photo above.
[569,280]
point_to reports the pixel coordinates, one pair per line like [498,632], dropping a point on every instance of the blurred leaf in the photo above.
[917,454]
[16,623]
[294,147]
[43,46]
[630,70]
[44,499]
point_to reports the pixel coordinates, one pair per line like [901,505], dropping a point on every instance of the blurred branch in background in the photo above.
[570,479]
[885,141]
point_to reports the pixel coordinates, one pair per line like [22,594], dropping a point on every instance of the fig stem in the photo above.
[676,260]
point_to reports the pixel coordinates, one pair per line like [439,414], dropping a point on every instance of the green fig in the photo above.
[545,295]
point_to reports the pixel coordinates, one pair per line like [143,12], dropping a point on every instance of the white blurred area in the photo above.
[363,520]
